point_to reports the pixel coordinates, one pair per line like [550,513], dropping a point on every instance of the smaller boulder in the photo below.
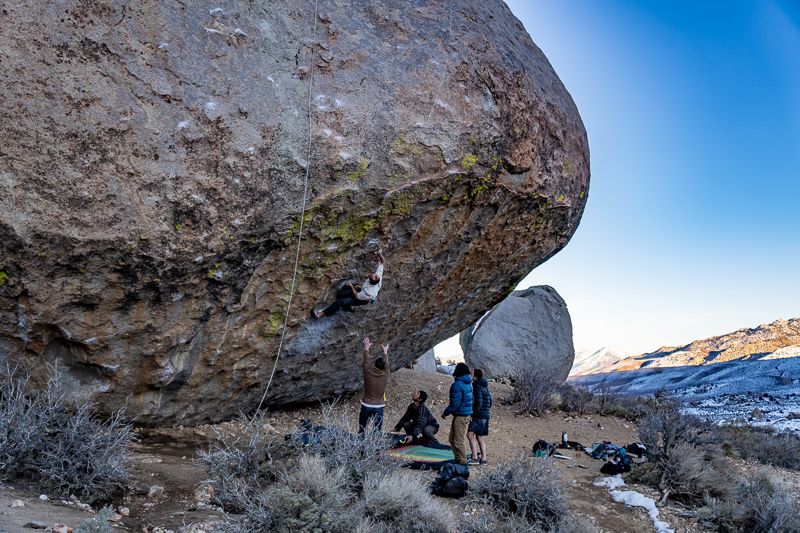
[529,331]
[426,362]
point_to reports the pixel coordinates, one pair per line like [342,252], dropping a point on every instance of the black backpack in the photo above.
[451,481]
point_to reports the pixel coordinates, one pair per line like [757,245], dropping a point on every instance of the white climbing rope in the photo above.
[302,215]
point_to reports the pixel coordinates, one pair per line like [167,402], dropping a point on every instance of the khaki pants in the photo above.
[458,438]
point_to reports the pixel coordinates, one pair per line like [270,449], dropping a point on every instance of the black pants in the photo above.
[427,436]
[344,300]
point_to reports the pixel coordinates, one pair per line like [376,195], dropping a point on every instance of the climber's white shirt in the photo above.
[369,291]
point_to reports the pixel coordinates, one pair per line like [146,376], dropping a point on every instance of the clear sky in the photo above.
[692,226]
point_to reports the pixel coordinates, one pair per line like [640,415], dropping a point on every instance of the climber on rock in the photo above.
[350,295]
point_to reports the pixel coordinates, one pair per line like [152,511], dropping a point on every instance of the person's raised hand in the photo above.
[367,344]
[385,349]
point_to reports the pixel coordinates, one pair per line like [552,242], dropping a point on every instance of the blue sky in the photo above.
[692,226]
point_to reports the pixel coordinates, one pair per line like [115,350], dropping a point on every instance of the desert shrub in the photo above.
[575,524]
[241,462]
[307,497]
[764,445]
[60,443]
[692,474]
[341,446]
[99,523]
[398,502]
[575,399]
[327,480]
[663,426]
[606,401]
[534,393]
[524,488]
[759,503]
[280,509]
[684,466]
[489,522]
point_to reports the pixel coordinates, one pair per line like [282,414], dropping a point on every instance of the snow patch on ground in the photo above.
[631,498]
[611,482]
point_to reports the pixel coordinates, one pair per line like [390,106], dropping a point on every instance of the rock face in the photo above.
[530,329]
[154,156]
[427,362]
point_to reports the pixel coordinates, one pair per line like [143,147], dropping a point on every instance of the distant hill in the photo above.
[593,361]
[778,340]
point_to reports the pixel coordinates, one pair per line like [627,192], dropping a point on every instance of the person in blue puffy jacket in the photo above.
[461,409]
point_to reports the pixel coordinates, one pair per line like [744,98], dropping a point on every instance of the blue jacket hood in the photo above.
[466,378]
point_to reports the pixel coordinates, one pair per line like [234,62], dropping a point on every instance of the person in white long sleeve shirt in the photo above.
[350,296]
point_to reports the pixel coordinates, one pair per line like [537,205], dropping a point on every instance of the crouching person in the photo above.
[418,422]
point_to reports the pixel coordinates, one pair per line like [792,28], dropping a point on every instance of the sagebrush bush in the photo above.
[332,480]
[758,503]
[534,392]
[398,501]
[690,474]
[343,447]
[61,444]
[764,445]
[663,426]
[575,399]
[684,465]
[489,522]
[99,523]
[527,488]
[281,509]
[240,463]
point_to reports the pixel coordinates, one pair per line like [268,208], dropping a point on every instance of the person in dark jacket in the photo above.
[461,408]
[419,423]
[479,426]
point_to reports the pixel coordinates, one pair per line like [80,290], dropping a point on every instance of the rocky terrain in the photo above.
[768,341]
[153,163]
[749,376]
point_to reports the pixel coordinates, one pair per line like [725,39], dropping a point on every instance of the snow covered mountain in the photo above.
[751,375]
[592,361]
[777,340]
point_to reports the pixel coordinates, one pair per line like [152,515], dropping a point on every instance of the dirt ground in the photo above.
[169,489]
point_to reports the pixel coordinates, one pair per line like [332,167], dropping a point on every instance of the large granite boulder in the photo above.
[153,157]
[528,331]
[426,362]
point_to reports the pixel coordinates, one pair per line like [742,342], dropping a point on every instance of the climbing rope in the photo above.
[302,216]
